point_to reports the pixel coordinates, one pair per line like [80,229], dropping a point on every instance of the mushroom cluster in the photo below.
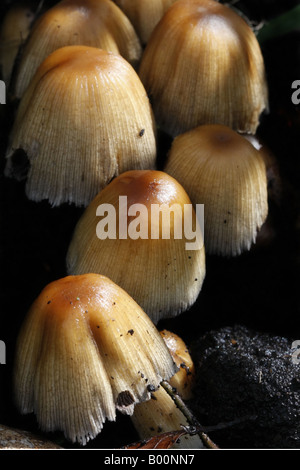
[96,82]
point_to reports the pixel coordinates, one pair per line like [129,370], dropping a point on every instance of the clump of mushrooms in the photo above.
[84,351]
[95,23]
[133,232]
[84,118]
[203,65]
[224,171]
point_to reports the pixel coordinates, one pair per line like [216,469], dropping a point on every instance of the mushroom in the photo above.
[95,23]
[161,414]
[84,118]
[144,15]
[222,170]
[84,351]
[15,28]
[183,380]
[203,65]
[135,231]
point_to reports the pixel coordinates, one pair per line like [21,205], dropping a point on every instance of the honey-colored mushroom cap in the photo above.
[85,350]
[162,269]
[161,414]
[222,170]
[84,118]
[94,23]
[203,65]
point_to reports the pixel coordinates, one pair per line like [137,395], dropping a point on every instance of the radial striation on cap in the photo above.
[162,267]
[84,119]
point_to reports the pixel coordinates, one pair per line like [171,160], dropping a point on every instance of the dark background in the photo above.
[259,289]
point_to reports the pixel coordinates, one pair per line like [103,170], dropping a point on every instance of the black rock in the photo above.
[251,381]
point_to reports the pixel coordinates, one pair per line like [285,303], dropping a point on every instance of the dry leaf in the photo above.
[163,441]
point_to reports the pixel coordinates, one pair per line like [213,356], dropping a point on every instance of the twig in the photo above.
[196,428]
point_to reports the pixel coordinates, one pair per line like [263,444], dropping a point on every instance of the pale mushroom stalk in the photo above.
[84,118]
[221,169]
[94,23]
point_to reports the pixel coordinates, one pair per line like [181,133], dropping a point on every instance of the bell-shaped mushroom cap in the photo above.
[95,23]
[160,415]
[222,170]
[86,349]
[203,65]
[148,252]
[183,381]
[15,28]
[144,15]
[84,118]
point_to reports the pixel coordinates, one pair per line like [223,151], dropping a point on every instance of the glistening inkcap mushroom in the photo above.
[142,232]
[224,171]
[203,65]
[161,414]
[84,351]
[15,27]
[94,23]
[84,118]
[183,381]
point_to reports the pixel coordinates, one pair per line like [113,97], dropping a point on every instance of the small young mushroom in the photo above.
[203,65]
[142,232]
[95,23]
[183,380]
[222,170]
[85,350]
[144,15]
[84,118]
[161,414]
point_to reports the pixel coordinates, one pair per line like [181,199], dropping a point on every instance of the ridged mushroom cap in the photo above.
[94,23]
[203,65]
[222,170]
[85,350]
[84,118]
[15,27]
[154,263]
[183,381]
[144,15]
